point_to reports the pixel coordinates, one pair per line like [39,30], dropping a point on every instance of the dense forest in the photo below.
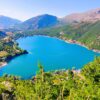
[57,85]
[84,33]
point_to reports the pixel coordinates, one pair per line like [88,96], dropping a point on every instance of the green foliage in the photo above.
[92,71]
[8,49]
[59,85]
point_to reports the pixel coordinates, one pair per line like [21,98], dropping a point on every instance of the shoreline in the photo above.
[68,41]
[78,43]
[71,42]
[2,64]
[74,42]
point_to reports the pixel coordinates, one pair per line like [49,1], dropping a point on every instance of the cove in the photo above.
[52,53]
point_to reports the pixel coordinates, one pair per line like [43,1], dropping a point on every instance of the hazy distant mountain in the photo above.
[46,20]
[89,16]
[7,22]
[39,22]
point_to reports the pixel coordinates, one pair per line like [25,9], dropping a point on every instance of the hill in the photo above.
[87,34]
[39,22]
[47,21]
[89,16]
[9,49]
[7,22]
[82,28]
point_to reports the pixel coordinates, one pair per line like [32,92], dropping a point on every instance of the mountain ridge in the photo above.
[7,22]
[47,20]
[40,21]
[88,16]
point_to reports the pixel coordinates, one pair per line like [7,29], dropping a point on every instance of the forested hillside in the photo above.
[9,49]
[58,85]
[88,34]
[85,33]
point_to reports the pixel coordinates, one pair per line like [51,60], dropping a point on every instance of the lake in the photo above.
[52,53]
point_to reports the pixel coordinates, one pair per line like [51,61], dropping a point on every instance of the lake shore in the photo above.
[72,42]
[69,41]
[2,64]
[78,43]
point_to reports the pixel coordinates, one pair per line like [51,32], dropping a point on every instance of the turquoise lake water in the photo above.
[52,53]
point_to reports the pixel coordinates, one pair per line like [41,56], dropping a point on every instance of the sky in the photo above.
[25,9]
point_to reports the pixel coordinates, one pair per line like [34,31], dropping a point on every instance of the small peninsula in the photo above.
[8,50]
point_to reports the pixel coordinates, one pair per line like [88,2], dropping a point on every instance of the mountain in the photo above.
[87,34]
[89,16]
[7,22]
[39,22]
[46,20]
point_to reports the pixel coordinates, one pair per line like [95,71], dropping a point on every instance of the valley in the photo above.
[70,28]
[86,34]
[49,50]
